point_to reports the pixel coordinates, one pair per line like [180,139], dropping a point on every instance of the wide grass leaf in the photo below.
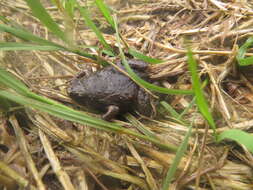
[239,136]
[67,113]
[26,35]
[40,12]
[197,88]
[9,81]
[58,111]
[13,46]
[241,53]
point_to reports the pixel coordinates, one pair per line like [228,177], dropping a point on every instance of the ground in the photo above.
[68,155]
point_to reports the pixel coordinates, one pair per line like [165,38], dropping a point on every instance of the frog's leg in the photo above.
[81,74]
[112,111]
[138,64]
[135,64]
[145,104]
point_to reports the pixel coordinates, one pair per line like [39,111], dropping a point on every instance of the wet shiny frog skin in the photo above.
[112,92]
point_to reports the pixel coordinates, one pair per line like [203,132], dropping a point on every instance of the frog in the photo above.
[112,92]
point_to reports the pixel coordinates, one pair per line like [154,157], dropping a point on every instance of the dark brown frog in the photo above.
[112,92]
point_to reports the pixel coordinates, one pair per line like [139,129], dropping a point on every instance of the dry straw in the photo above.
[46,152]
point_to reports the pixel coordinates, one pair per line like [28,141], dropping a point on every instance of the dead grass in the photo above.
[69,156]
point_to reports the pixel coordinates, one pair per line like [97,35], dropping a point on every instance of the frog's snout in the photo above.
[70,90]
[74,89]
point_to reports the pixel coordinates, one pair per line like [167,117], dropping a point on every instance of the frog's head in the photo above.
[80,93]
[77,90]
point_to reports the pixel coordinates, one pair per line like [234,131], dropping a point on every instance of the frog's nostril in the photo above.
[71,91]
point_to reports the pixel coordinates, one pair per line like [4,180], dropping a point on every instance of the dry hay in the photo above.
[94,159]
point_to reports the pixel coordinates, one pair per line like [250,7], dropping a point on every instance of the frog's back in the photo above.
[110,87]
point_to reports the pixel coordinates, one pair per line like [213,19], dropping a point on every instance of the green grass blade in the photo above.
[13,46]
[170,109]
[88,55]
[175,115]
[10,22]
[5,105]
[4,19]
[246,61]
[86,15]
[58,111]
[187,108]
[9,81]
[241,53]
[142,82]
[179,155]
[70,7]
[67,113]
[40,12]
[104,51]
[55,2]
[192,103]
[200,98]
[26,35]
[105,11]
[239,136]
[150,86]
[143,57]
[140,126]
